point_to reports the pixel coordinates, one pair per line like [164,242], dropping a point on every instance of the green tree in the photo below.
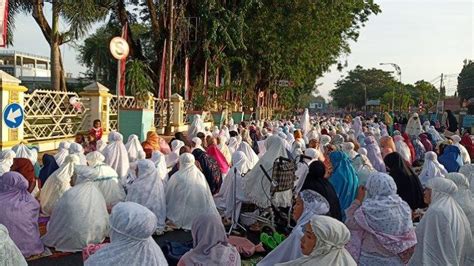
[350,91]
[466,83]
[139,82]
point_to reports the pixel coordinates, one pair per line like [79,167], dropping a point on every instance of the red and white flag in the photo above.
[123,65]
[161,91]
[3,22]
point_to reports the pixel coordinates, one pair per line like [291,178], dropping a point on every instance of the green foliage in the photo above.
[381,85]
[138,80]
[466,83]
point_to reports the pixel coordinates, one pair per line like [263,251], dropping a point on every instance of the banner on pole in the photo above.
[186,79]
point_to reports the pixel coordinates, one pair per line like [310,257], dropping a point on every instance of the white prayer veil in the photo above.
[116,155]
[431,168]
[6,160]
[133,146]
[77,149]
[173,157]
[9,252]
[63,151]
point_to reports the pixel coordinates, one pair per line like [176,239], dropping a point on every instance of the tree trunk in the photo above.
[55,51]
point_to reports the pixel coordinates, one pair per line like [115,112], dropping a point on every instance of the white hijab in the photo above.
[466,158]
[439,244]
[233,144]
[348,149]
[468,171]
[331,236]
[256,185]
[240,166]
[147,190]
[106,180]
[464,196]
[22,151]
[80,217]
[305,123]
[63,151]
[133,147]
[188,194]
[6,160]
[414,127]
[132,226]
[173,157]
[77,149]
[57,184]
[159,161]
[196,126]
[116,155]
[249,153]
[100,145]
[224,149]
[431,168]
[288,250]
[9,252]
[303,167]
[402,148]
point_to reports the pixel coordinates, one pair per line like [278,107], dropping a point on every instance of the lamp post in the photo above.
[399,73]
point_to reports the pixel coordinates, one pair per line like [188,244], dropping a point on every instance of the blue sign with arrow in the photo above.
[13,115]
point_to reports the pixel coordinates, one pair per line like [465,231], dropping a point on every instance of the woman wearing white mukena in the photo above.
[188,194]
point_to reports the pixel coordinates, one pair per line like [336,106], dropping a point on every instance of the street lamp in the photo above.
[399,73]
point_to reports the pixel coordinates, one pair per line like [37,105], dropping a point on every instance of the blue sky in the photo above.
[425,37]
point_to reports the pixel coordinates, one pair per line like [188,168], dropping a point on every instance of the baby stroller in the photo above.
[282,183]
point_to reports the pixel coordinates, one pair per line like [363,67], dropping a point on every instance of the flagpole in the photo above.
[119,80]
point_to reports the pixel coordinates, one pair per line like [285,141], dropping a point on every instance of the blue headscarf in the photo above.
[450,158]
[344,179]
[49,166]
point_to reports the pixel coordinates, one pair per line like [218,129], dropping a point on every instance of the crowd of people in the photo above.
[364,191]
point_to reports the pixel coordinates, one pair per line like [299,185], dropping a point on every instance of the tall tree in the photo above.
[466,83]
[78,16]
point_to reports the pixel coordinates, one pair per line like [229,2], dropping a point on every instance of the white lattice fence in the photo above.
[125,102]
[161,109]
[49,115]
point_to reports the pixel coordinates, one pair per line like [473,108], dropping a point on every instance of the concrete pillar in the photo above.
[98,104]
[177,104]
[10,92]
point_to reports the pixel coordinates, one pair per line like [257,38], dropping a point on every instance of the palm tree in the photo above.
[78,17]
[139,82]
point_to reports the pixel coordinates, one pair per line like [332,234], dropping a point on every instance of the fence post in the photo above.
[10,92]
[177,105]
[98,105]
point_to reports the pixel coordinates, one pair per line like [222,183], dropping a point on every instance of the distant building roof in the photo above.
[18,53]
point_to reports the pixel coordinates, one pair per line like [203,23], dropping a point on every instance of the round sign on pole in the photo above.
[261,94]
[275,96]
[13,115]
[119,48]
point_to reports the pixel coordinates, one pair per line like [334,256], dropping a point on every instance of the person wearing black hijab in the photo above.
[452,123]
[409,187]
[49,166]
[315,181]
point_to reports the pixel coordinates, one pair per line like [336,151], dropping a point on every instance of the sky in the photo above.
[424,37]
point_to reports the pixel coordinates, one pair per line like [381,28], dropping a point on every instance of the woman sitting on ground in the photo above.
[132,226]
[308,203]
[19,214]
[210,244]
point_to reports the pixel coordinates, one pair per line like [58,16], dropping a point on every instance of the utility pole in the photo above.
[170,65]
[440,91]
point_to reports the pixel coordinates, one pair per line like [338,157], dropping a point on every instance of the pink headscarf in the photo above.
[210,244]
[215,153]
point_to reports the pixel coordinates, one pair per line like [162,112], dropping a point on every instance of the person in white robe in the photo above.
[148,190]
[402,148]
[10,255]
[100,145]
[173,158]
[159,161]
[234,193]
[431,168]
[328,236]
[303,167]
[468,171]
[80,217]
[348,149]
[132,171]
[107,179]
[196,126]
[132,226]
[133,147]
[466,158]
[63,152]
[188,194]
[6,160]
[308,204]
[233,145]
[249,153]
[78,150]
[116,155]
[222,146]
[437,138]
[414,127]
[439,244]
[57,184]
[256,185]
[305,123]
[464,196]
[22,151]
